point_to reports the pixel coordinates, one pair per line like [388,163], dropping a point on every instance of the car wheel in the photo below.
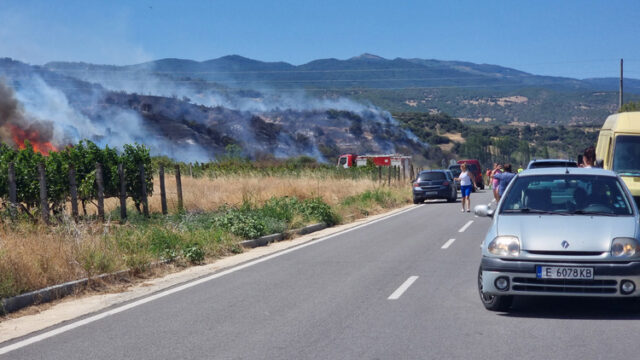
[493,302]
[417,201]
[454,196]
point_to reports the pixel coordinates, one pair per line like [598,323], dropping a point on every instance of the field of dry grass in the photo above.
[34,256]
[207,194]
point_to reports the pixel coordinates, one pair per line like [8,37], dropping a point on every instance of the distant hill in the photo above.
[472,92]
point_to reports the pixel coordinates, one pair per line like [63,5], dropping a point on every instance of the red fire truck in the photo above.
[350,160]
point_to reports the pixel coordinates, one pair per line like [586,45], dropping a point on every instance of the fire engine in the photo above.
[350,160]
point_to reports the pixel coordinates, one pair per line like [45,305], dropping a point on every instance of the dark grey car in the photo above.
[434,184]
[455,170]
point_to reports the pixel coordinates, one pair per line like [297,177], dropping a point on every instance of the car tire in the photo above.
[417,201]
[454,196]
[493,302]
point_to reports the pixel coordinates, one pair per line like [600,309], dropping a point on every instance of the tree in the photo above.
[630,106]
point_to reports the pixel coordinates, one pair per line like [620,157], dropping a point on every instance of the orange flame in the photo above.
[20,135]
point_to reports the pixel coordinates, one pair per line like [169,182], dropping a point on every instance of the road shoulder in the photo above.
[26,322]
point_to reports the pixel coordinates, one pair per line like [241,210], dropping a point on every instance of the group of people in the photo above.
[500,177]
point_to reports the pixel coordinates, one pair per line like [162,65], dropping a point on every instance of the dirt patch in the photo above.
[455,137]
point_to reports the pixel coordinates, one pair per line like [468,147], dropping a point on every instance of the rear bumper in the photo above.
[433,194]
[523,281]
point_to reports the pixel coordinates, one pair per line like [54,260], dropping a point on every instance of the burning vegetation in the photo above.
[16,126]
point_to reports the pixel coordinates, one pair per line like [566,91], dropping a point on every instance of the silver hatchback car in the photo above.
[561,231]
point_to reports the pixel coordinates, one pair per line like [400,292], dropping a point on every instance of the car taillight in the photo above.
[446,183]
[416,185]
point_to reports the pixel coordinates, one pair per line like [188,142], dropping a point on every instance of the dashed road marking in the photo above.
[462,229]
[448,243]
[396,294]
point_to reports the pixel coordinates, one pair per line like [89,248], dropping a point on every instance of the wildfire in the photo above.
[39,145]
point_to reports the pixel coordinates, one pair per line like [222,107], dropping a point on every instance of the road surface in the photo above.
[403,287]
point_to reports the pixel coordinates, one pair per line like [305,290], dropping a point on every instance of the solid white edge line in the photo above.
[448,243]
[462,229]
[161,294]
[405,285]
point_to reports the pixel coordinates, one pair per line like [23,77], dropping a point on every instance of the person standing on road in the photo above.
[488,178]
[494,182]
[504,179]
[589,157]
[467,183]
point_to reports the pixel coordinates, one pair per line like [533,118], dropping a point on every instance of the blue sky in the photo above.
[561,38]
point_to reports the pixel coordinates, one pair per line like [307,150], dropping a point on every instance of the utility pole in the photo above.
[620,98]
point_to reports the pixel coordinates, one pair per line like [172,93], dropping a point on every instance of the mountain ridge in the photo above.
[470,91]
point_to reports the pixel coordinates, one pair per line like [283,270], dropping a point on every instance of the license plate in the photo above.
[431,193]
[563,272]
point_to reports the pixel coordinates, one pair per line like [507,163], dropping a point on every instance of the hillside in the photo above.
[52,108]
[472,92]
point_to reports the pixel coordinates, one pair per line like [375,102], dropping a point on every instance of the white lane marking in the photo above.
[462,229]
[448,243]
[94,318]
[396,294]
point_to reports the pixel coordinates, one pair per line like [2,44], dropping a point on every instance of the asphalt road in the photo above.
[398,288]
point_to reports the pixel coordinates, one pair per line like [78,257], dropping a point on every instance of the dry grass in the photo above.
[207,194]
[34,256]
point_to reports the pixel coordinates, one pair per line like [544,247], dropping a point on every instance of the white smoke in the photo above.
[116,127]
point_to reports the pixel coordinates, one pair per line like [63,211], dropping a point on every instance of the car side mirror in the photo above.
[483,210]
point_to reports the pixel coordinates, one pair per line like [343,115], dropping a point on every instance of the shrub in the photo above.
[164,243]
[193,253]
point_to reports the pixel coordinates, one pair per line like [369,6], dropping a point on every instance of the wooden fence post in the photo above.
[143,180]
[413,175]
[73,191]
[44,203]
[179,188]
[163,194]
[379,173]
[100,184]
[13,197]
[123,193]
[389,176]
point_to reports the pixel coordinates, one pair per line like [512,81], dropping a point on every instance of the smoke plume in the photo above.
[16,125]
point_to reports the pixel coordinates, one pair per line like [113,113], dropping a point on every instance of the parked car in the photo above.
[434,184]
[474,167]
[455,170]
[546,163]
[561,232]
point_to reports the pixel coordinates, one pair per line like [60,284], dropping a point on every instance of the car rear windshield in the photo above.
[472,168]
[548,164]
[626,155]
[567,195]
[430,176]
